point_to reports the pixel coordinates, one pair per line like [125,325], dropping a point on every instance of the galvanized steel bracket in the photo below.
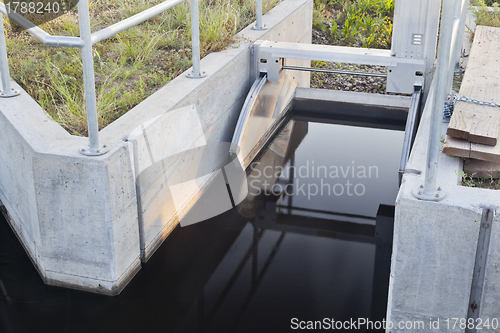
[421,194]
[13,92]
[402,73]
[196,76]
[87,151]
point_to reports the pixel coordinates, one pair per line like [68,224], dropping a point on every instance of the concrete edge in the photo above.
[395,101]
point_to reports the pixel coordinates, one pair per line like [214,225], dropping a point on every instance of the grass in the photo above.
[481,182]
[365,23]
[129,66]
[357,23]
[484,16]
[485,2]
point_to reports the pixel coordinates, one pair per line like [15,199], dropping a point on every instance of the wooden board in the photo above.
[470,121]
[482,169]
[485,152]
[456,147]
[462,148]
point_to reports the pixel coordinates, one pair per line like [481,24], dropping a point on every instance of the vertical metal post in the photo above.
[6,91]
[398,7]
[195,41]
[94,147]
[460,16]
[429,190]
[258,12]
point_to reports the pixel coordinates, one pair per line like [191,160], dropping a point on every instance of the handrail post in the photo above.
[195,42]
[429,191]
[460,17]
[258,12]
[6,91]
[94,147]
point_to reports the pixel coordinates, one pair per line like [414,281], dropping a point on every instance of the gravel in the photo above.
[345,82]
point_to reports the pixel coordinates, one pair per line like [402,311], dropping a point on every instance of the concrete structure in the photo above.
[81,219]
[435,245]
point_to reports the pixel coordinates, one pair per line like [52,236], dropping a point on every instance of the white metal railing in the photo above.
[87,40]
[450,38]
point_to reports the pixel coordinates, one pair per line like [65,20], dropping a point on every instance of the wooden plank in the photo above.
[470,121]
[480,168]
[485,152]
[462,148]
[456,147]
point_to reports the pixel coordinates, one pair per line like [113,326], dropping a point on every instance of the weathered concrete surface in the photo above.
[435,244]
[78,216]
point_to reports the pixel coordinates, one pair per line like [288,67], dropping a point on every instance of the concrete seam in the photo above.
[140,218]
[80,276]
[108,217]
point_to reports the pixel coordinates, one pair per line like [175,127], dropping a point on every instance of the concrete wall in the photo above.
[435,245]
[217,100]
[78,216]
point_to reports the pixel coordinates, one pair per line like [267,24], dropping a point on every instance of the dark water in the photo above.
[288,251]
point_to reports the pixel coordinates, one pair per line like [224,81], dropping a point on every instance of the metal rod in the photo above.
[88,81]
[412,122]
[4,63]
[396,31]
[457,36]
[195,37]
[430,191]
[63,41]
[332,71]
[195,41]
[258,14]
[133,20]
[39,33]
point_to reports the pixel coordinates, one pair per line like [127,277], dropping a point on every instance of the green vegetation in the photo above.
[484,16]
[483,2]
[365,23]
[481,182]
[358,23]
[129,66]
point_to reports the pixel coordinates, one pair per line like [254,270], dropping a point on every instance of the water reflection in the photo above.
[281,254]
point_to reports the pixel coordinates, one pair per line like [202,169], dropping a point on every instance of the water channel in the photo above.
[312,241]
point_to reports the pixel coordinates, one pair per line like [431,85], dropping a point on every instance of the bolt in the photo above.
[437,195]
[421,186]
[419,192]
[473,306]
[439,188]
